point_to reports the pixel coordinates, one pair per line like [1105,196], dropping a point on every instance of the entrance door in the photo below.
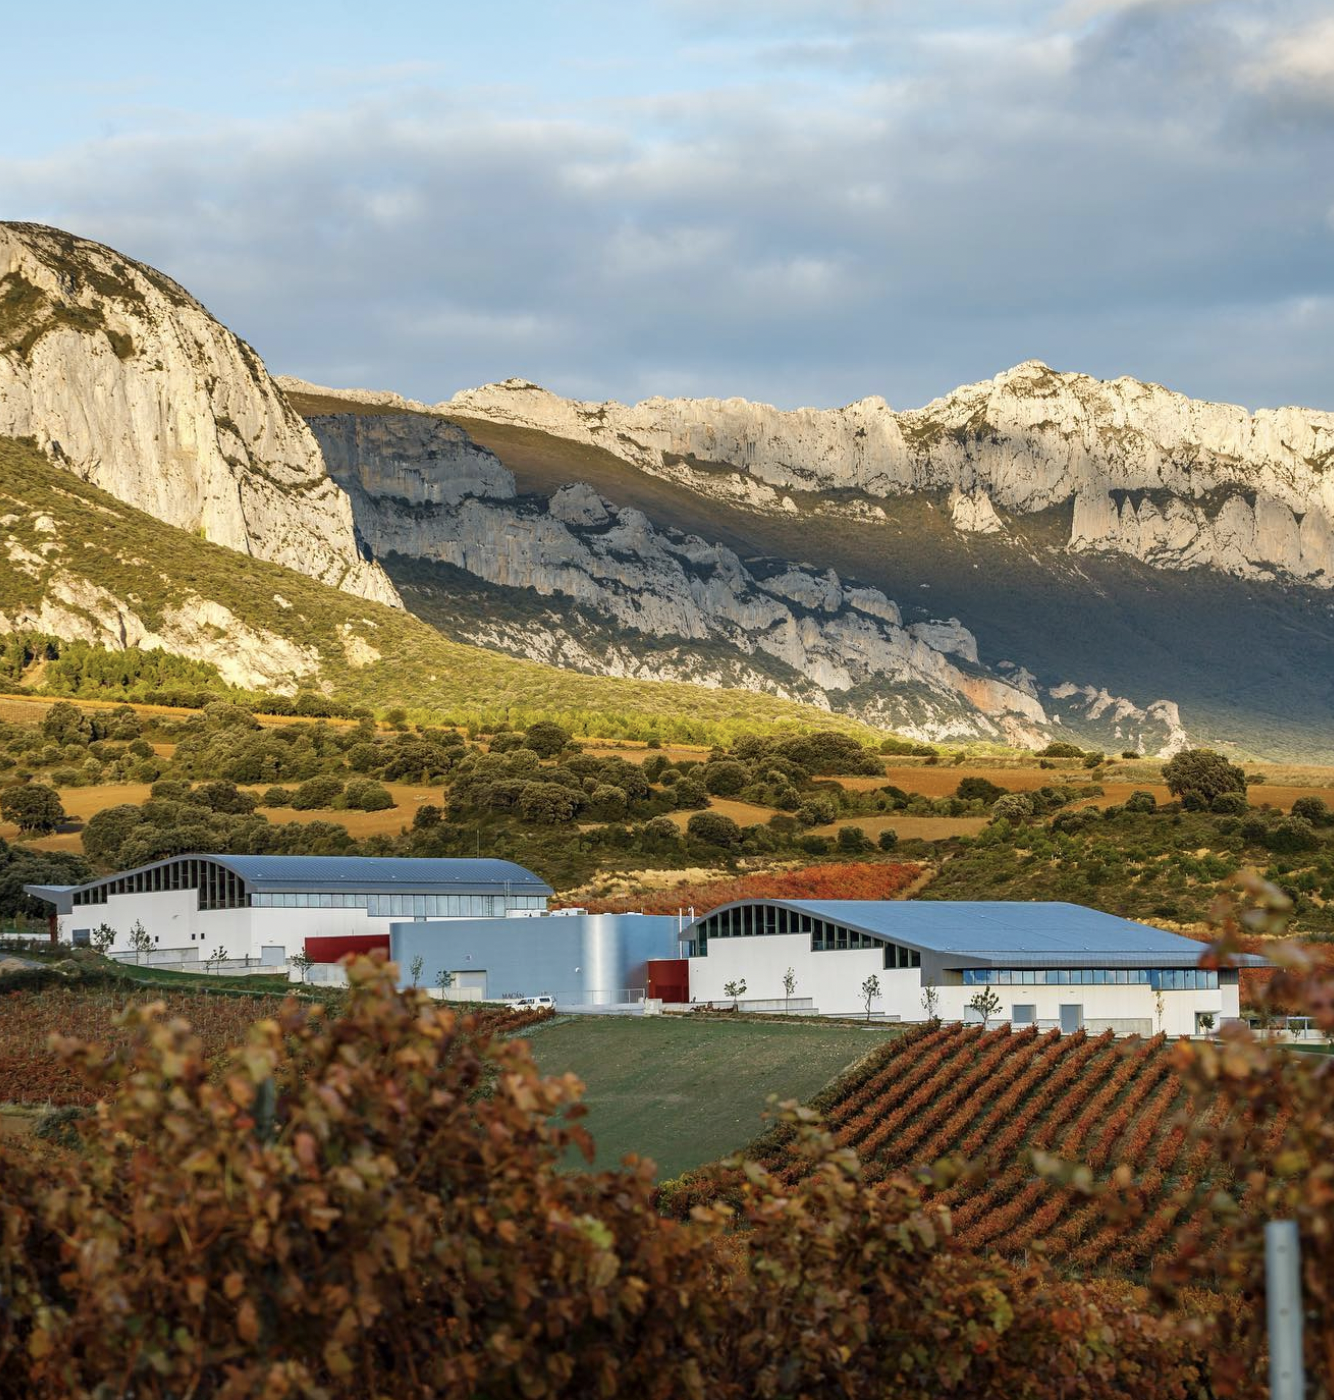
[1072,1017]
[272,955]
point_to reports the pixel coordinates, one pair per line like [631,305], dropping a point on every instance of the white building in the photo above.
[265,908]
[1054,964]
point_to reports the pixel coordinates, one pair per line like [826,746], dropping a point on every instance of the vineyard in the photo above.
[851,880]
[31,1073]
[992,1098]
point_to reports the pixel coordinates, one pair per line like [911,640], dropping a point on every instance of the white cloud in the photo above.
[1300,60]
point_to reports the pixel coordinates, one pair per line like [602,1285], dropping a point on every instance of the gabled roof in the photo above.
[1001,933]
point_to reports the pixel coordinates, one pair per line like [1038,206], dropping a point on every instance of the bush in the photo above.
[546,739]
[853,840]
[725,777]
[1060,749]
[1229,804]
[316,793]
[276,797]
[713,829]
[34,808]
[546,804]
[427,817]
[1013,807]
[362,795]
[224,797]
[1141,801]
[817,810]
[690,794]
[1202,775]
[978,790]
[1291,835]
[506,743]
[888,840]
[1314,810]
[815,845]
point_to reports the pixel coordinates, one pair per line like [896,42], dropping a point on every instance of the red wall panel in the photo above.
[669,979]
[329,948]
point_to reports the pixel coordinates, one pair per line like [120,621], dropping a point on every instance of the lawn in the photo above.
[685,1091]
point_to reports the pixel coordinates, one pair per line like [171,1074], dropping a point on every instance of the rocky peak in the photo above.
[122,377]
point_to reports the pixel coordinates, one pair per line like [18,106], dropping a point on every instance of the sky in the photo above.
[801,203]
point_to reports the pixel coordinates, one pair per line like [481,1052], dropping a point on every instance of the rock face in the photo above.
[1172,481]
[422,490]
[120,376]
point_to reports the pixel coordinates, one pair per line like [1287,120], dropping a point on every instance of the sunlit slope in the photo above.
[77,563]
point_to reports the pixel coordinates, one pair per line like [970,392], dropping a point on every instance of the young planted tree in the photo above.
[141,941]
[216,958]
[302,961]
[789,986]
[444,979]
[103,936]
[986,1003]
[735,990]
[870,990]
[415,968]
[931,1003]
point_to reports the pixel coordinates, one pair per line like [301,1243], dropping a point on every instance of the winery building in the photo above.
[267,908]
[1051,964]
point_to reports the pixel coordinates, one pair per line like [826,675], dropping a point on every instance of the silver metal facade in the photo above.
[579,959]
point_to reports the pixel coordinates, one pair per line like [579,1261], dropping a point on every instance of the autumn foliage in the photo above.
[850,880]
[347,1212]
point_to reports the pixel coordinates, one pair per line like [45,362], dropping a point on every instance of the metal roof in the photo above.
[1001,933]
[364,874]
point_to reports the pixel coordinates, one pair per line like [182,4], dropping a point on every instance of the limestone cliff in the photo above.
[121,377]
[423,490]
[1136,469]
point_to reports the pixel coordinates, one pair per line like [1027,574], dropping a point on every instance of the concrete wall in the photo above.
[833,982]
[578,959]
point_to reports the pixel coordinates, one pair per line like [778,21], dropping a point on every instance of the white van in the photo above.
[529,1003]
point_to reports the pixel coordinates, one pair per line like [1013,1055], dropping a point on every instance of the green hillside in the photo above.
[685,1091]
[88,557]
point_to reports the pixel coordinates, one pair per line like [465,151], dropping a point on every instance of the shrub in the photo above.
[1229,804]
[713,829]
[814,845]
[853,840]
[1291,835]
[276,797]
[817,810]
[546,739]
[34,808]
[505,743]
[363,795]
[546,804]
[978,790]
[221,796]
[1013,807]
[1060,749]
[1312,809]
[690,794]
[315,793]
[427,817]
[725,777]
[888,839]
[1140,801]
[1202,775]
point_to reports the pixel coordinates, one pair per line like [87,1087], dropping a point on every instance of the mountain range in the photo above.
[1041,555]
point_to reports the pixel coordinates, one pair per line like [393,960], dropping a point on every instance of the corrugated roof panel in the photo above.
[1004,933]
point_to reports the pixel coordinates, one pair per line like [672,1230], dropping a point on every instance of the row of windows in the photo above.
[218,887]
[1167,979]
[752,920]
[406,905]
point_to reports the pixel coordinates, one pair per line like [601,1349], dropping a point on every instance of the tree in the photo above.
[986,1003]
[735,990]
[725,777]
[1159,1005]
[141,941]
[1204,1021]
[415,968]
[978,789]
[931,1003]
[789,986]
[216,957]
[302,961]
[1197,776]
[852,840]
[444,979]
[103,936]
[32,807]
[1312,809]
[870,990]
[889,838]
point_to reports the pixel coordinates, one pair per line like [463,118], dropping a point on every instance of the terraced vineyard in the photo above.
[993,1097]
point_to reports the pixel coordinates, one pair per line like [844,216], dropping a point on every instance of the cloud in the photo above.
[1122,197]
[1300,62]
